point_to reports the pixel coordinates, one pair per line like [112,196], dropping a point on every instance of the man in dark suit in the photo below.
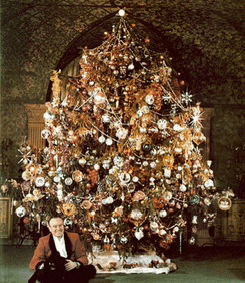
[60,257]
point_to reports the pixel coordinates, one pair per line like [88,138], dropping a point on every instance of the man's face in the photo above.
[56,227]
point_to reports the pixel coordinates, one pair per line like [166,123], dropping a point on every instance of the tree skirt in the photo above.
[111,262]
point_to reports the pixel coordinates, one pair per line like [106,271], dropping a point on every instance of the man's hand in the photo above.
[70,265]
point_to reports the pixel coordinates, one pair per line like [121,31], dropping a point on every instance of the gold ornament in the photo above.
[86,204]
[69,209]
[139,195]
[77,176]
[224,203]
[168,161]
[198,137]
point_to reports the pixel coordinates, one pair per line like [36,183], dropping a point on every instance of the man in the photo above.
[60,257]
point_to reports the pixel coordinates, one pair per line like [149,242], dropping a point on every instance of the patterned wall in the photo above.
[205,38]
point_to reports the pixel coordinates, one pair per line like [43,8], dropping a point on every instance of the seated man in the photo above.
[60,257]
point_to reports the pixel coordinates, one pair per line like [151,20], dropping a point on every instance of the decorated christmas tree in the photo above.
[122,164]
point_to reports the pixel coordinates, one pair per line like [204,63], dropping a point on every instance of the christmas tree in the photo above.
[122,164]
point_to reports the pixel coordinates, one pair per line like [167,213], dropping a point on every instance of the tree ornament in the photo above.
[123,240]
[109,141]
[146,147]
[68,181]
[136,214]
[149,99]
[20,211]
[163,213]
[139,234]
[122,133]
[224,203]
[198,137]
[154,226]
[77,176]
[69,209]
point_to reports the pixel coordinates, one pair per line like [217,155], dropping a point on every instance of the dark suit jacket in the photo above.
[75,249]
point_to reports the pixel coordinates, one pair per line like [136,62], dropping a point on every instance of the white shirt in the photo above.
[60,246]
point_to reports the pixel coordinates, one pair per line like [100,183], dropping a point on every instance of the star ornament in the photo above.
[196,117]
[114,220]
[186,97]
[26,157]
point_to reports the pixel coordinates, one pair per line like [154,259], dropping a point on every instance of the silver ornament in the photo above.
[139,235]
[20,211]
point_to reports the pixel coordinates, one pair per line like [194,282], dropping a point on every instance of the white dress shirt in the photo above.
[60,246]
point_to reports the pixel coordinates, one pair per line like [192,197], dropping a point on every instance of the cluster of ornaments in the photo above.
[122,160]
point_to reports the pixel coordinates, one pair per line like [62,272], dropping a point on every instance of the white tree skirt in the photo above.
[110,262]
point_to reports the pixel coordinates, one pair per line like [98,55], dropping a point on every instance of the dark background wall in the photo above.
[205,38]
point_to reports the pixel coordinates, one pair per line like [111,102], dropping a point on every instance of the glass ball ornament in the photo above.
[96,236]
[68,181]
[20,211]
[124,178]
[140,113]
[224,203]
[153,165]
[135,179]
[40,181]
[56,179]
[109,142]
[67,222]
[96,166]
[149,99]
[163,213]
[26,175]
[77,176]
[101,139]
[167,173]
[182,188]
[176,230]
[45,133]
[145,163]
[82,161]
[167,195]
[147,147]
[209,183]
[123,240]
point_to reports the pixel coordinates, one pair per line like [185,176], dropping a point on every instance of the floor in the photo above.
[210,264]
